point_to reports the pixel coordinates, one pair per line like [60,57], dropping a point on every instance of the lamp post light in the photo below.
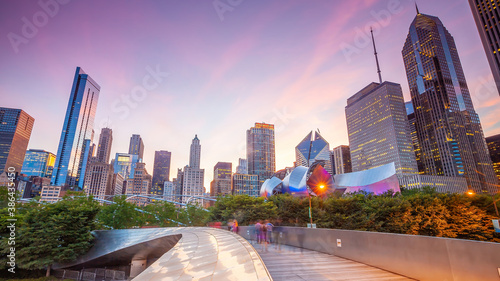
[471,193]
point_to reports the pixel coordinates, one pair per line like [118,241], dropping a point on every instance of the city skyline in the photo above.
[234,54]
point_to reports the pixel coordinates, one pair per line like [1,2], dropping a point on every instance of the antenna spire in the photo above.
[376,57]
[416,7]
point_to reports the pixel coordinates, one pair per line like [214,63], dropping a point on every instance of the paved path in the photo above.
[292,263]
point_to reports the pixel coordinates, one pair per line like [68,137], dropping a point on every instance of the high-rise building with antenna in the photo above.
[448,129]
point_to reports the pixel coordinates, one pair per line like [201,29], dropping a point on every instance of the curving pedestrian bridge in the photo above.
[176,253]
[201,253]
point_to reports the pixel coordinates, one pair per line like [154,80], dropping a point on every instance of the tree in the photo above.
[193,215]
[57,232]
[122,214]
[244,208]
[162,213]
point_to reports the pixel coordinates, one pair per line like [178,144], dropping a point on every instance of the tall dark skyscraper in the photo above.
[136,146]
[341,160]
[448,129]
[487,17]
[104,146]
[15,132]
[77,131]
[261,151]
[161,171]
[494,148]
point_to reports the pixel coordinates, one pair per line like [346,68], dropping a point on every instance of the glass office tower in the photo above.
[313,149]
[261,151]
[378,129]
[38,163]
[15,132]
[487,18]
[77,131]
[494,148]
[104,146]
[136,146]
[448,129]
[161,171]
[125,165]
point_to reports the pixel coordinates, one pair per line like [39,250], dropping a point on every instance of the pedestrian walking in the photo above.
[269,234]
[258,230]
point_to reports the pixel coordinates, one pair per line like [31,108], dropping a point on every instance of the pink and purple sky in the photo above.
[290,63]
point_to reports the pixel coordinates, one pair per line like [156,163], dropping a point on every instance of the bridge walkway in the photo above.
[293,263]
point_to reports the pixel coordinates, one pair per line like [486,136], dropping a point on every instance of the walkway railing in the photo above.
[419,257]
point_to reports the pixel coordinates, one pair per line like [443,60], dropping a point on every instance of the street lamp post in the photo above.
[495,204]
[310,211]
[321,186]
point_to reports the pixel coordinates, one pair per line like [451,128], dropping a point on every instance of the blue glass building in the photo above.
[125,164]
[38,163]
[313,149]
[76,136]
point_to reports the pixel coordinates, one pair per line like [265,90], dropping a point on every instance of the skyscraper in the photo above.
[221,185]
[192,185]
[341,159]
[177,182]
[487,18]
[193,177]
[99,172]
[313,149]
[494,148]
[195,153]
[161,171]
[378,130]
[449,132]
[76,135]
[414,139]
[136,146]
[38,163]
[141,184]
[99,179]
[104,147]
[15,132]
[242,167]
[261,151]
[168,190]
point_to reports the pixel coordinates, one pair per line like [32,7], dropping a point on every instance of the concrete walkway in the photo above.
[292,263]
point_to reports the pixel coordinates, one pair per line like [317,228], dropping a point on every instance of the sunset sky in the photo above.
[289,63]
